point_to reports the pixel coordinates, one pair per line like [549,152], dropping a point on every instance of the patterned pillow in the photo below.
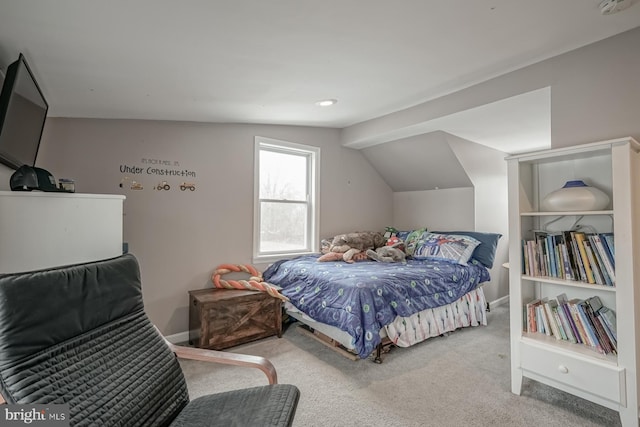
[410,239]
[485,253]
[446,247]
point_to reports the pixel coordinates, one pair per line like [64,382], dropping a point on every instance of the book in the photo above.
[609,318]
[605,255]
[565,318]
[530,308]
[534,258]
[568,274]
[611,338]
[599,309]
[525,259]
[593,240]
[558,240]
[564,303]
[571,251]
[588,326]
[580,237]
[549,306]
[540,320]
[528,256]
[578,321]
[543,315]
[609,241]
[579,266]
[593,264]
[552,256]
[564,328]
[541,252]
[603,339]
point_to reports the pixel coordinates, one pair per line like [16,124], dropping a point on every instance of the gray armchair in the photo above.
[79,335]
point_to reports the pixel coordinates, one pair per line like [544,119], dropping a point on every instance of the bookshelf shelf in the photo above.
[581,350]
[569,283]
[556,323]
[572,213]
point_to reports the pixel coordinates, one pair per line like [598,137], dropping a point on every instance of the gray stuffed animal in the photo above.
[351,244]
[387,254]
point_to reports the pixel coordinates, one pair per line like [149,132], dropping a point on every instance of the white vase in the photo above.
[575,196]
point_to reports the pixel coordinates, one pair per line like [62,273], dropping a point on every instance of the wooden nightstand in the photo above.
[222,318]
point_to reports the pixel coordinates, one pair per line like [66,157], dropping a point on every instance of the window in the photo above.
[286,199]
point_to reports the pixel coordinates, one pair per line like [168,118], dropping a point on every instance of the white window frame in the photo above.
[313,186]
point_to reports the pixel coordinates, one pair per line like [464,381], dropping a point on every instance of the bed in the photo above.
[358,304]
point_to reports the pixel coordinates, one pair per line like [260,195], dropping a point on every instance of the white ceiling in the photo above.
[268,61]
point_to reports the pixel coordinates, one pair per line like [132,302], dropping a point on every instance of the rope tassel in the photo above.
[255,282]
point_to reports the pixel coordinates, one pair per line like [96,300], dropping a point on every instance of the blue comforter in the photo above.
[361,298]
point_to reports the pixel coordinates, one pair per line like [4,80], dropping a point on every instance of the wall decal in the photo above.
[159,168]
[164,185]
[188,185]
[132,184]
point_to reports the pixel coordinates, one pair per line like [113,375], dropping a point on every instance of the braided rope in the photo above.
[255,282]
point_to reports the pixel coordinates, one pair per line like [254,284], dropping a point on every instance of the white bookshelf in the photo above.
[612,166]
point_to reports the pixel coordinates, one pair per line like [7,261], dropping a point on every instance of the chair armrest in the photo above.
[226,358]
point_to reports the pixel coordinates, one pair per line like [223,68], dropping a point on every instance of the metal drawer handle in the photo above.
[563,369]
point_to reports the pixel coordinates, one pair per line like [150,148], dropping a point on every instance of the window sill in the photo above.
[270,259]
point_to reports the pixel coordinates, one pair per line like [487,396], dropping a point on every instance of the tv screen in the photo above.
[23,111]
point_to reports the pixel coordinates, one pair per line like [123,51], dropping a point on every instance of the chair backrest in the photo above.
[79,335]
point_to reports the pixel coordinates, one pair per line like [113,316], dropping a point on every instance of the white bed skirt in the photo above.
[469,310]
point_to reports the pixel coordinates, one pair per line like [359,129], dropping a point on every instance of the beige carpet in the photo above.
[459,380]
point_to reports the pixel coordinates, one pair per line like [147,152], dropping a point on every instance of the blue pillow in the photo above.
[485,252]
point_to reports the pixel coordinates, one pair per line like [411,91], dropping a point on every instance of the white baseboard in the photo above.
[178,338]
[499,301]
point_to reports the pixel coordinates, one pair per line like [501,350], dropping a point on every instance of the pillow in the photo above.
[410,238]
[403,234]
[446,247]
[485,252]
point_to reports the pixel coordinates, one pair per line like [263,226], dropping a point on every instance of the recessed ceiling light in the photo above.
[326,102]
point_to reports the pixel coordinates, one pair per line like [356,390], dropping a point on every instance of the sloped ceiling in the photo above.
[424,150]
[512,125]
[422,162]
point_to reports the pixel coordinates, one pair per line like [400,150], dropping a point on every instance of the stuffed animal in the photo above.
[339,252]
[361,240]
[395,242]
[331,256]
[349,256]
[391,252]
[387,254]
[351,244]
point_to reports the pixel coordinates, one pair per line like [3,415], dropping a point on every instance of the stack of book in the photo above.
[571,255]
[586,322]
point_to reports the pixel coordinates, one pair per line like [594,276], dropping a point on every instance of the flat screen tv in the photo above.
[23,111]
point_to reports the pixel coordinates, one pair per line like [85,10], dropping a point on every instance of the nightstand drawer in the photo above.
[595,377]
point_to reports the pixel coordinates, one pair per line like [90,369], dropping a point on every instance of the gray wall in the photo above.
[487,170]
[181,236]
[480,207]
